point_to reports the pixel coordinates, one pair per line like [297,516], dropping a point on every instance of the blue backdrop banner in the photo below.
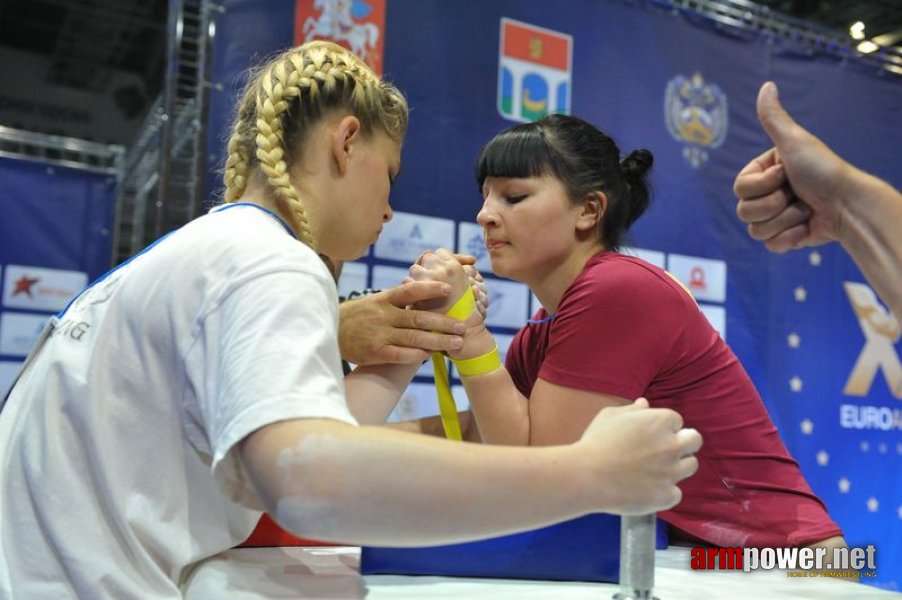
[821,348]
[55,235]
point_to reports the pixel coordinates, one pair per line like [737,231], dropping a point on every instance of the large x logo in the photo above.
[881,330]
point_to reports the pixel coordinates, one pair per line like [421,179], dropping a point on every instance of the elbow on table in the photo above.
[289,465]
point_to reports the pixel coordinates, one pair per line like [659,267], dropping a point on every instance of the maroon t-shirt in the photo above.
[625,328]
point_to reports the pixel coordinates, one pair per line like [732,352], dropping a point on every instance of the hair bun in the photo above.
[635,168]
[636,163]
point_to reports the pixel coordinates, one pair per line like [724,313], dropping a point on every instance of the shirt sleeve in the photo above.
[271,355]
[616,329]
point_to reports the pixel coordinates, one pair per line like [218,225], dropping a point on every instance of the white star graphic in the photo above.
[807,426]
[793,340]
[881,448]
[873,504]
[815,259]
[800,294]
[844,485]
[795,384]
[823,458]
[865,446]
[900,512]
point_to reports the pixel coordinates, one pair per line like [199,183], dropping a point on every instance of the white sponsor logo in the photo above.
[470,240]
[353,278]
[38,288]
[534,305]
[650,256]
[717,316]
[883,418]
[705,278]
[387,277]
[8,372]
[408,235]
[508,303]
[19,332]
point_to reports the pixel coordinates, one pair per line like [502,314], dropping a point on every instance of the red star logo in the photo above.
[23,286]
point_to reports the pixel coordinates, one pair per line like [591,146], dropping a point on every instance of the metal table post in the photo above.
[637,558]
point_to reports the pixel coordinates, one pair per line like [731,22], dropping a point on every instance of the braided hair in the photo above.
[283,101]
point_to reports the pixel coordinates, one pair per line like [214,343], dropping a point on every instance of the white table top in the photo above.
[332,572]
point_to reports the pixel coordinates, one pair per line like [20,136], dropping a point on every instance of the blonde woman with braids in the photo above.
[200,383]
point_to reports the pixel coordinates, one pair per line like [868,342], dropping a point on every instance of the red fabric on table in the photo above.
[268,534]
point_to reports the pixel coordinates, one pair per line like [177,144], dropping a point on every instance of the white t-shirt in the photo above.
[118,449]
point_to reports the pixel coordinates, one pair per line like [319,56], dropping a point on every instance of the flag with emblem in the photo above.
[534,71]
[355,24]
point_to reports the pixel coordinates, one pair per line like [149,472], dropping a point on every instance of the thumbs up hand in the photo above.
[792,195]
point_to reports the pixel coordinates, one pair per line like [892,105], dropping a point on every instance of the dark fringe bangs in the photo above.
[521,151]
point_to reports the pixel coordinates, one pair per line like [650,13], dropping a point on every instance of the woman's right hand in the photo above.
[637,456]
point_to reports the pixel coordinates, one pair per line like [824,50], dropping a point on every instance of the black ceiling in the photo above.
[86,40]
[882,18]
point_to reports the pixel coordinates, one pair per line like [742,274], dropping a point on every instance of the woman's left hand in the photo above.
[476,281]
[440,265]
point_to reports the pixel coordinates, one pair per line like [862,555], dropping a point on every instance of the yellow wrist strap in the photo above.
[447,408]
[479,365]
[464,306]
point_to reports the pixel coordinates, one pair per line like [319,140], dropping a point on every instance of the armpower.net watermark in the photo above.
[851,563]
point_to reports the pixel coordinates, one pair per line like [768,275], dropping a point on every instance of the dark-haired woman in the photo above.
[558,199]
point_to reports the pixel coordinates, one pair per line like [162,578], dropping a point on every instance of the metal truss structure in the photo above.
[163,183]
[740,16]
[62,151]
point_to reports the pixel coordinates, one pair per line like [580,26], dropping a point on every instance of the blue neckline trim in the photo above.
[539,321]
[275,216]
[219,208]
[60,314]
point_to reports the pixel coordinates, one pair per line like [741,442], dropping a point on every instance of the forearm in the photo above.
[373,391]
[872,234]
[376,486]
[501,412]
